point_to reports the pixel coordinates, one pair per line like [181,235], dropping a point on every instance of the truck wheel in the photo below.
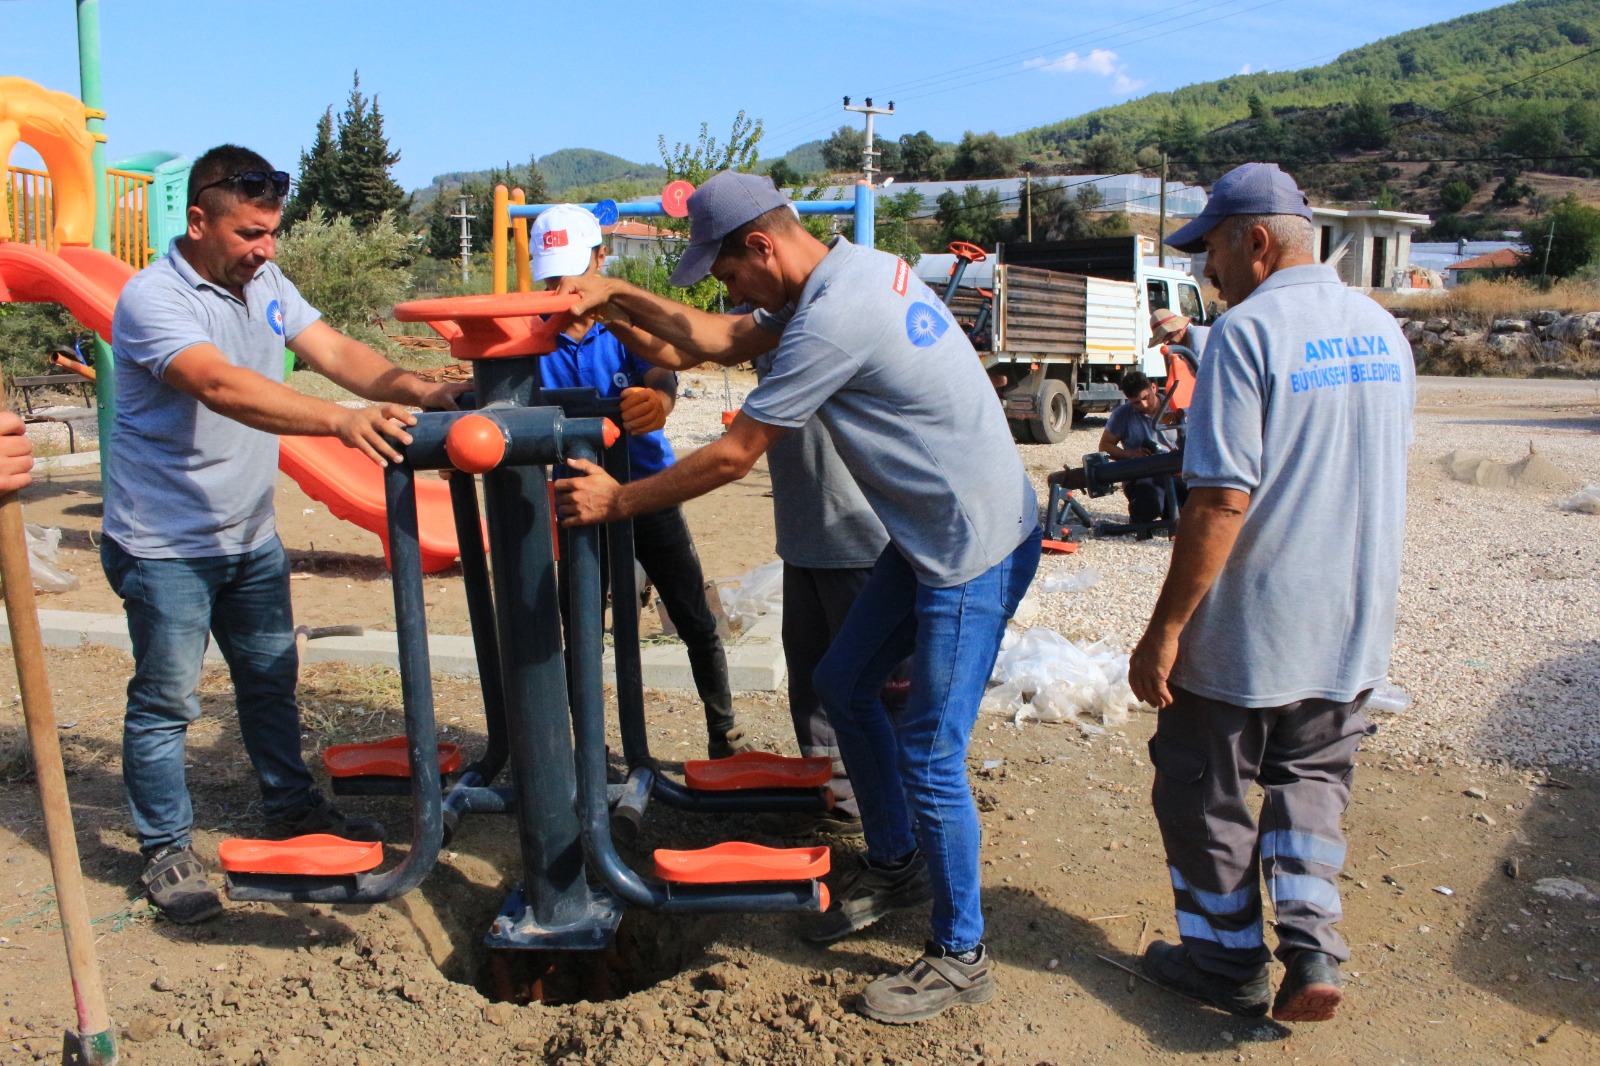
[1055,413]
[1021,430]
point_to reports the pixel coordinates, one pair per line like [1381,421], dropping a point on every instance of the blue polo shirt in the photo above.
[599,361]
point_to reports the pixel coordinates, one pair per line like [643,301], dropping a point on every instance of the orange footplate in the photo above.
[737,861]
[316,855]
[383,758]
[756,769]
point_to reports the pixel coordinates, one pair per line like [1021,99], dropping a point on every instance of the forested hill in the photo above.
[1436,67]
[566,169]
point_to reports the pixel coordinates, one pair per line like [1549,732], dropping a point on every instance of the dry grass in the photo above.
[1482,302]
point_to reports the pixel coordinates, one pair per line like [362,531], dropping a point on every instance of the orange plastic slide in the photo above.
[87,282]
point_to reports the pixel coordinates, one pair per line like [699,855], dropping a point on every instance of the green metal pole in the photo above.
[89,91]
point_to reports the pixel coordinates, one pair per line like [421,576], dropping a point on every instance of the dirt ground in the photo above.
[1490,971]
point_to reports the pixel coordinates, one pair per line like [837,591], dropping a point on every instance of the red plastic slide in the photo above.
[87,282]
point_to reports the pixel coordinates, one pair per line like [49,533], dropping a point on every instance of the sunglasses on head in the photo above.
[253,183]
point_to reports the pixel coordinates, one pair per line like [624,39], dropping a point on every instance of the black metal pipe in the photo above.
[682,798]
[589,728]
[480,612]
[416,689]
[627,809]
[517,506]
[532,434]
[625,622]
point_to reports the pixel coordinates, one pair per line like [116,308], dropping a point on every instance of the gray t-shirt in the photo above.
[822,519]
[1134,430]
[185,481]
[1304,400]
[872,352]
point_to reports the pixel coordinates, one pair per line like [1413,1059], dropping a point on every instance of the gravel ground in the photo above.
[1498,639]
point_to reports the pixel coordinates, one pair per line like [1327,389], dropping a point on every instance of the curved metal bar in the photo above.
[416,686]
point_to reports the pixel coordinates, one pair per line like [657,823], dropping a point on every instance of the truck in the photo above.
[1062,321]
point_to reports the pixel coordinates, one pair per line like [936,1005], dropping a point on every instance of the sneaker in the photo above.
[809,824]
[321,816]
[730,743]
[937,981]
[1310,989]
[174,880]
[1171,967]
[870,893]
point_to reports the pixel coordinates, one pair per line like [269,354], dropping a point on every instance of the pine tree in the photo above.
[318,184]
[364,161]
[533,182]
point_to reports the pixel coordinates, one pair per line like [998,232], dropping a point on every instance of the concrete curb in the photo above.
[62,464]
[755,659]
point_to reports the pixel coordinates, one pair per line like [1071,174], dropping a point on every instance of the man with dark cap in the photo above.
[1277,614]
[873,354]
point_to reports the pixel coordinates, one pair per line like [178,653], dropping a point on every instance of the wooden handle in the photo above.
[94,1020]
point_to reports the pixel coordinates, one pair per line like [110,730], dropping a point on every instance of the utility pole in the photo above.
[869,153]
[1544,274]
[1027,195]
[466,237]
[1161,227]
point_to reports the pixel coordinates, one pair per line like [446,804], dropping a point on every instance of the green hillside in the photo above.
[566,169]
[1436,67]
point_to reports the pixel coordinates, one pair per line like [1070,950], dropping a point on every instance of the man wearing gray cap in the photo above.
[1277,614]
[872,353]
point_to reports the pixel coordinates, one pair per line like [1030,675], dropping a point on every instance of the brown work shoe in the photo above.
[1310,990]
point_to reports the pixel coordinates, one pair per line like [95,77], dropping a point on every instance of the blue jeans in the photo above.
[172,605]
[910,772]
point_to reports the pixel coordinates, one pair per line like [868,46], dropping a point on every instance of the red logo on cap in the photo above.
[902,274]
[556,238]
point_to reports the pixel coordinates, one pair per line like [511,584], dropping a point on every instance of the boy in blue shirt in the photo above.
[566,241]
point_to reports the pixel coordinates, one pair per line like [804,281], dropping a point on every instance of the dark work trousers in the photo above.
[1206,756]
[815,602]
[663,546]
[1147,497]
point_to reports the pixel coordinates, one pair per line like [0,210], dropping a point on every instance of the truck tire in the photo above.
[1021,430]
[1055,413]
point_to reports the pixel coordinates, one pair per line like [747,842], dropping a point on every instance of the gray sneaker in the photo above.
[869,894]
[929,986]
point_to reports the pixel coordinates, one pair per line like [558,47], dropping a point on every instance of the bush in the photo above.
[29,331]
[1454,195]
[354,279]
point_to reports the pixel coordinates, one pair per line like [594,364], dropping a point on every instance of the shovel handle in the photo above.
[97,1043]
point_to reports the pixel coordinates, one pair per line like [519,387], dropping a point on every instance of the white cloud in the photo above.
[1247,69]
[1101,61]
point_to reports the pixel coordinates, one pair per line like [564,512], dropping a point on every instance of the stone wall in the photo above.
[1546,341]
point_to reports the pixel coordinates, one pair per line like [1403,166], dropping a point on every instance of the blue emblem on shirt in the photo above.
[925,324]
[275,317]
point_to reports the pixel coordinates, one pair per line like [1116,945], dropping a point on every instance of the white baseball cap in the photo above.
[560,241]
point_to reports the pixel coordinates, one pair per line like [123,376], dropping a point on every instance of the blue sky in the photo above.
[466,84]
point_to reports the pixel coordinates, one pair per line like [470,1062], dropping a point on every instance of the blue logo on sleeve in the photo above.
[275,317]
[925,324]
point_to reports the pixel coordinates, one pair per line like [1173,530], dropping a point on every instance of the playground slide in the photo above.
[86,282]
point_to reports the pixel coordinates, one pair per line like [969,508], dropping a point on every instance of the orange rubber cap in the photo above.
[610,434]
[475,444]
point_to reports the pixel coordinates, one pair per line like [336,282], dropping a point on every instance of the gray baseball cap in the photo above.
[717,208]
[1250,189]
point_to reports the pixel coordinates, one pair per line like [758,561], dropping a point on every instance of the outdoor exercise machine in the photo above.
[546,731]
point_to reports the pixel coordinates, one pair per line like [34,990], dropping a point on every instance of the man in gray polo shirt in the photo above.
[190,544]
[1277,615]
[873,354]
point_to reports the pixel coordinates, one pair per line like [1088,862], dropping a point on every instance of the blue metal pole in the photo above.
[865,230]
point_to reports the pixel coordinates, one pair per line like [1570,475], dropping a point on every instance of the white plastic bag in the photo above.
[749,596]
[1388,698]
[43,547]
[1078,581]
[1045,677]
[1586,501]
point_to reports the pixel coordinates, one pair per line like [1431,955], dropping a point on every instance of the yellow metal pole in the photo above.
[502,222]
[519,245]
